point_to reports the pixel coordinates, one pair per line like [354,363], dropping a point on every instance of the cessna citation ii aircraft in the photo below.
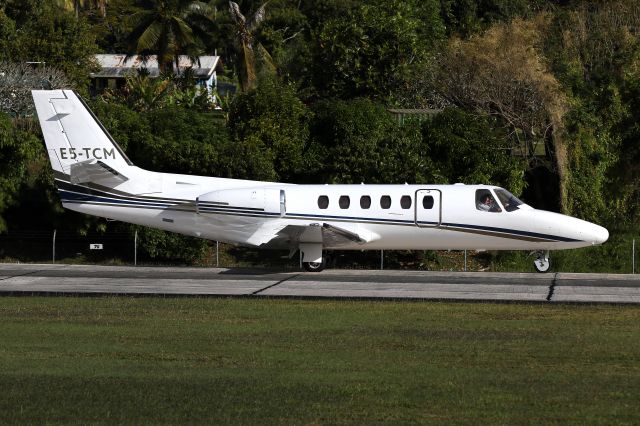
[94,176]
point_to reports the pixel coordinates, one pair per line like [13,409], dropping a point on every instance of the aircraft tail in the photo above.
[80,148]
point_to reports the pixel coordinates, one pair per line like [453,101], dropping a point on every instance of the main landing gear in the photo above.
[312,257]
[315,266]
[542,262]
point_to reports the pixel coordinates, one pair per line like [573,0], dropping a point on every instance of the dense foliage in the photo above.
[539,96]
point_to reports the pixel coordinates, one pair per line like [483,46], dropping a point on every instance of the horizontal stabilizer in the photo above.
[96,171]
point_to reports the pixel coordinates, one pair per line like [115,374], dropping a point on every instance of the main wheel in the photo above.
[542,264]
[315,266]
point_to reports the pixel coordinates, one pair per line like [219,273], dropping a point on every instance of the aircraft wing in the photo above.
[329,235]
[95,171]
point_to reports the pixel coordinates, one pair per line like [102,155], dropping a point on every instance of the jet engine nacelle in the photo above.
[269,200]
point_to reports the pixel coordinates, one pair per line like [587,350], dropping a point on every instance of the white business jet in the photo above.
[94,176]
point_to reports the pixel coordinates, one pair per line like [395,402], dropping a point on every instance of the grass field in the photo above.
[244,361]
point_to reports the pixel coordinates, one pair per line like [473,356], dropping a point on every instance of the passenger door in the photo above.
[428,205]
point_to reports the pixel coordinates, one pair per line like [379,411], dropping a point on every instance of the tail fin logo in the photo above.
[81,154]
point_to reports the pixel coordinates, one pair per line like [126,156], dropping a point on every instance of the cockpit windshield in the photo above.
[508,200]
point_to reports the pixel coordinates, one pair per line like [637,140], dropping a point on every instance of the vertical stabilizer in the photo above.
[74,135]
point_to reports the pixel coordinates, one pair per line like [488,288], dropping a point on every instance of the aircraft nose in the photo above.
[596,234]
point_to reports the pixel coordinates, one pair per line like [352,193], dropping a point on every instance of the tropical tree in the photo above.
[370,51]
[251,55]
[169,29]
[78,5]
[21,153]
[357,141]
[503,74]
[272,119]
[142,93]
[17,80]
[594,50]
[43,34]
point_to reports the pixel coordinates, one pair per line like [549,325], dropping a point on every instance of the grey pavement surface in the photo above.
[32,279]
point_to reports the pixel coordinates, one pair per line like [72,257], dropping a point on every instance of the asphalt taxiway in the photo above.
[30,279]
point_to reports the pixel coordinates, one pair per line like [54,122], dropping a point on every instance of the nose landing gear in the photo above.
[542,262]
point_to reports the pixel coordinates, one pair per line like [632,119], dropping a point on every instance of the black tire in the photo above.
[314,266]
[543,270]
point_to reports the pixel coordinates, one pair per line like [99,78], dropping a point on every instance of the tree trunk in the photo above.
[562,166]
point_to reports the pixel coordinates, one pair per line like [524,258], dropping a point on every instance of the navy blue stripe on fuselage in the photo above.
[510,231]
[305,216]
[63,185]
[203,206]
[83,195]
[75,197]
[186,205]
[237,210]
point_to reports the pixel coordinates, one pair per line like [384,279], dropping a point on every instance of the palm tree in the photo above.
[246,46]
[168,29]
[77,5]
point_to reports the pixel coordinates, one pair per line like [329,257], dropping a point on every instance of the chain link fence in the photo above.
[67,246]
[61,246]
[125,248]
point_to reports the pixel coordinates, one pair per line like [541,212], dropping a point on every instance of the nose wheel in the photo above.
[542,262]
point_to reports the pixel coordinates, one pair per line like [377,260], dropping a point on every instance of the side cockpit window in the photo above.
[485,201]
[508,200]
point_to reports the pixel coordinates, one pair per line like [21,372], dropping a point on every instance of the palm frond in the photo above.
[201,8]
[150,37]
[182,31]
[266,61]
[257,18]
[247,68]
[237,16]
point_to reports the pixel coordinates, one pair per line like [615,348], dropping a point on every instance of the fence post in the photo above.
[135,248]
[633,256]
[53,258]
[465,261]
[217,254]
[381,260]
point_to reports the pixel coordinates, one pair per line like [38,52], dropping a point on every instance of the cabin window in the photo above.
[323,201]
[365,202]
[344,202]
[427,202]
[385,202]
[405,202]
[485,201]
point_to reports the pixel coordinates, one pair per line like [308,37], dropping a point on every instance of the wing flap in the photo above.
[284,235]
[337,235]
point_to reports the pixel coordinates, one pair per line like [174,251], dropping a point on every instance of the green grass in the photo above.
[245,361]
